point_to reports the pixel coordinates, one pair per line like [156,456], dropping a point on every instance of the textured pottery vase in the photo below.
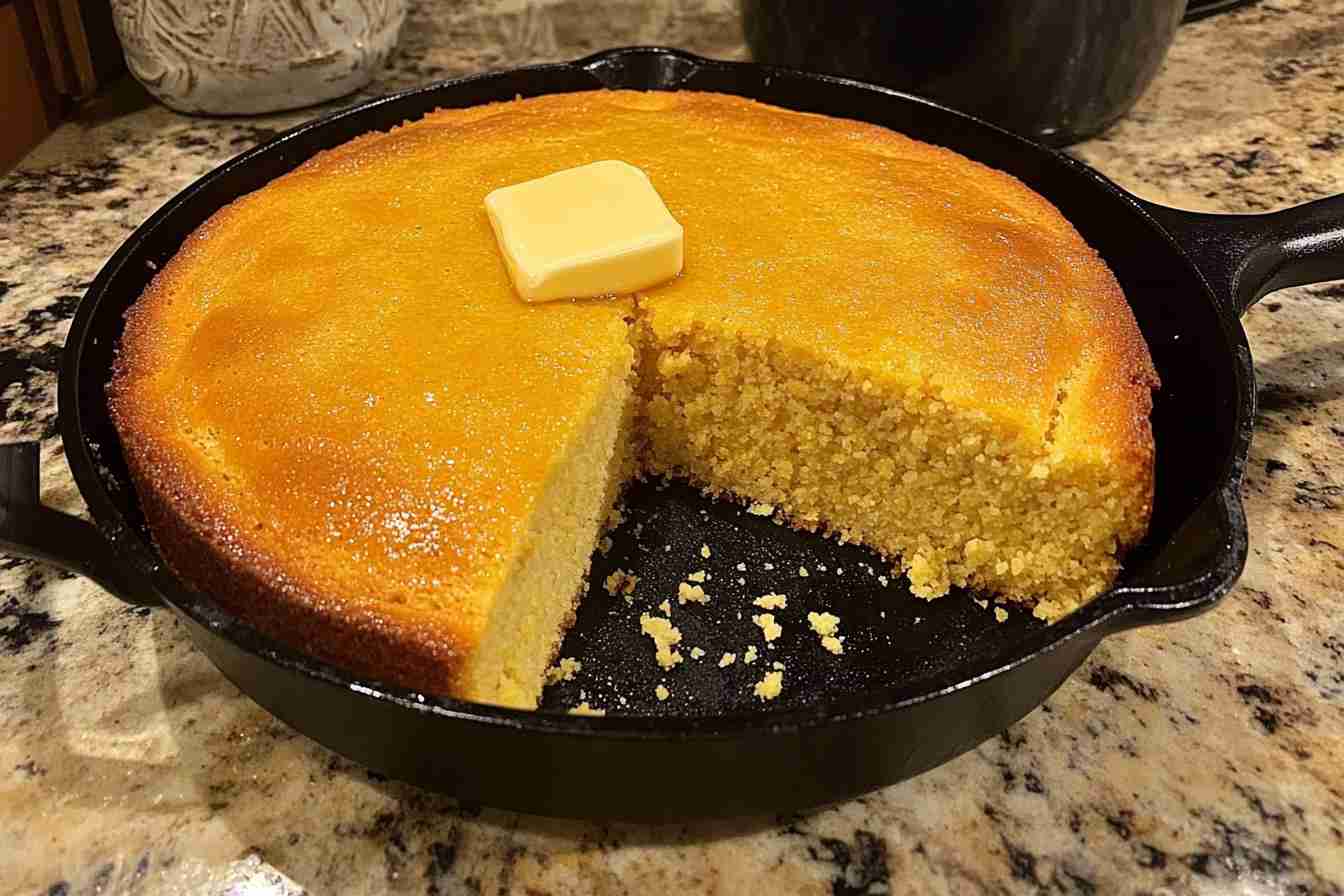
[242,57]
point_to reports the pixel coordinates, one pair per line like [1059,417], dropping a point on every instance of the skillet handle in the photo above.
[29,529]
[1245,257]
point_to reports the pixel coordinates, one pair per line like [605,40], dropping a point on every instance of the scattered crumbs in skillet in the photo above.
[727,660]
[802,571]
[769,566]
[839,570]
[696,653]
[827,625]
[621,582]
[821,566]
[583,709]
[771,601]
[667,548]
[615,517]
[604,545]
[768,688]
[983,604]
[661,693]
[563,670]
[741,567]
[704,551]
[759,509]
[692,593]
[697,576]
[918,620]
[777,665]
[750,656]
[1000,614]
[769,627]
[666,608]
[882,580]
[741,581]
[665,637]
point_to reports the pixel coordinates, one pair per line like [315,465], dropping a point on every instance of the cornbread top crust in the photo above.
[336,409]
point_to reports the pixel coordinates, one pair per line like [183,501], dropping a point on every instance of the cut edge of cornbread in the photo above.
[954,495]
[535,601]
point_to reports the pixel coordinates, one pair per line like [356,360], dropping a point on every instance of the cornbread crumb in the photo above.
[750,656]
[666,608]
[665,637]
[769,627]
[727,660]
[827,625]
[741,567]
[824,623]
[696,653]
[771,601]
[583,709]
[604,545]
[982,603]
[621,582]
[1000,614]
[769,566]
[704,551]
[802,571]
[769,687]
[777,665]
[563,670]
[883,581]
[692,594]
[759,509]
[697,576]
[661,693]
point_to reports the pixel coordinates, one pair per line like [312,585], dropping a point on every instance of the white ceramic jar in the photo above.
[241,57]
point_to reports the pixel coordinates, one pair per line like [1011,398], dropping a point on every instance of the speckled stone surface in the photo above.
[1205,757]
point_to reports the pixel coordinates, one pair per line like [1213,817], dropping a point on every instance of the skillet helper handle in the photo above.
[1245,257]
[31,530]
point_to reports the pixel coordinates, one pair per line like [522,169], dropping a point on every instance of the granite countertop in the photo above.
[1204,757]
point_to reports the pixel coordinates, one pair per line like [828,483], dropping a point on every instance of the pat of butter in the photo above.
[589,231]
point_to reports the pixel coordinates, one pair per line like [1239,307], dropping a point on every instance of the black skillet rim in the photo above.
[1118,608]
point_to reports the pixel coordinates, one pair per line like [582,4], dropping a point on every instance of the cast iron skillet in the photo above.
[919,682]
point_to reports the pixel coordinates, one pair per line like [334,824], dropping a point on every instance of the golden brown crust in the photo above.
[208,553]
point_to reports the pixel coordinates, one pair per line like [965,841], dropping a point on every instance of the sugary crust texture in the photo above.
[191,514]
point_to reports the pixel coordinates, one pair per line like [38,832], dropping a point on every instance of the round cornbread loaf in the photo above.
[344,424]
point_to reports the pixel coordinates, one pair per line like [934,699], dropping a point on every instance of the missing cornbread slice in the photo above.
[408,468]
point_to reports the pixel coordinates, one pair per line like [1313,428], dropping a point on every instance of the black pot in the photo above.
[1056,70]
